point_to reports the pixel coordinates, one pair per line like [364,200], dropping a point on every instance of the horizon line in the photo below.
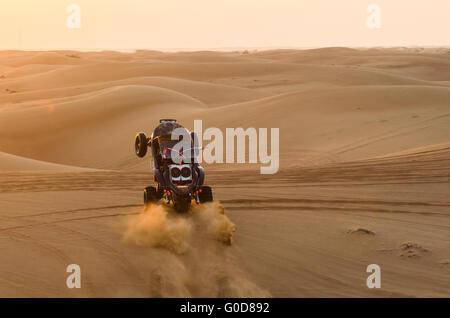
[224,49]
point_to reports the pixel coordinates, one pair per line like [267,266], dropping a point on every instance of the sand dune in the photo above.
[369,121]
[209,93]
[425,66]
[364,173]
[416,151]
[45,58]
[15,163]
[89,124]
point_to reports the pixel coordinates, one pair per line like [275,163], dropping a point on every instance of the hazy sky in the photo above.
[197,24]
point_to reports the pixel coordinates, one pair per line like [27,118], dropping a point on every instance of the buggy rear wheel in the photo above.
[150,196]
[205,195]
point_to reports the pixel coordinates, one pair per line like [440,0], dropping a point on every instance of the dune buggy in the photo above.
[178,181]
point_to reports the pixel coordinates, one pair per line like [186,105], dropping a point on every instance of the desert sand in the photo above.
[364,174]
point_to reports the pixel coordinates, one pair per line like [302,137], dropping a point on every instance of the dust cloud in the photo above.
[195,252]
